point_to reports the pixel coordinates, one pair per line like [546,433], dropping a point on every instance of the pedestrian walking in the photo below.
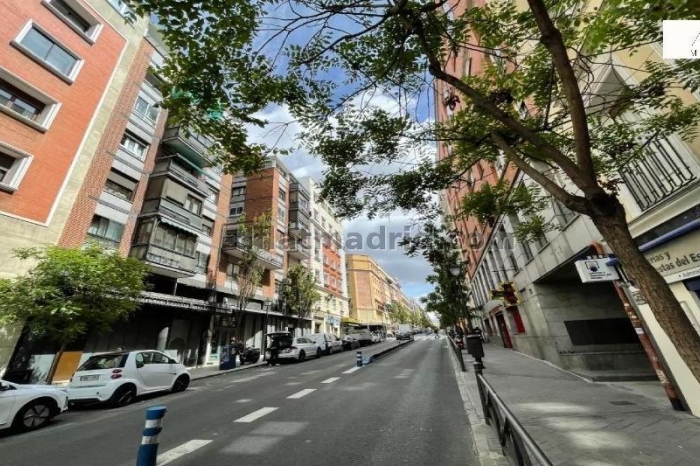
[436,334]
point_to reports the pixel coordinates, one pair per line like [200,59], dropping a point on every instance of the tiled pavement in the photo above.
[577,423]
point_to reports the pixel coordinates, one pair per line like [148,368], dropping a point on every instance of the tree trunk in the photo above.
[54,364]
[610,220]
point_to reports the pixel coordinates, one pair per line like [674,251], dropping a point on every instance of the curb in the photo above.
[218,373]
[383,353]
[487,448]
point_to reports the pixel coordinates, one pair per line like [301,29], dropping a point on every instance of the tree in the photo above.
[398,313]
[300,294]
[449,299]
[252,237]
[322,59]
[70,292]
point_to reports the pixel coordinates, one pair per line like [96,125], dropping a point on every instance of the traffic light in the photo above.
[510,294]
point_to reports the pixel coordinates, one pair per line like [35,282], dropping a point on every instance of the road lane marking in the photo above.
[350,371]
[182,450]
[331,380]
[244,400]
[256,415]
[302,393]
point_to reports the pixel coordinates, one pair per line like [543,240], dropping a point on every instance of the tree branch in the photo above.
[553,41]
[575,203]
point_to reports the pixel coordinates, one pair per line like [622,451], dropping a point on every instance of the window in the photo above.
[213,195]
[235,211]
[121,7]
[134,146]
[44,48]
[13,166]
[6,163]
[146,109]
[282,214]
[76,17]
[143,233]
[19,102]
[207,227]
[563,214]
[178,241]
[282,195]
[239,191]
[105,231]
[193,205]
[120,185]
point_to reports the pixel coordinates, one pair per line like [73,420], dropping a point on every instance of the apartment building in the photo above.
[371,289]
[327,261]
[63,68]
[583,327]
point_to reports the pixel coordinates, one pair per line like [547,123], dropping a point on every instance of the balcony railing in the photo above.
[298,251]
[167,262]
[659,174]
[194,147]
[168,165]
[238,246]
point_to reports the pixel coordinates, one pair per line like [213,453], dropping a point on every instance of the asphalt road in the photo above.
[404,408]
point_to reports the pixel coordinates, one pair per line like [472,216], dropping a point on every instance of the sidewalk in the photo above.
[204,372]
[578,423]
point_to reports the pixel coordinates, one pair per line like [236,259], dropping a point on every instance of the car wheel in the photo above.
[318,353]
[123,396]
[302,356]
[181,383]
[34,415]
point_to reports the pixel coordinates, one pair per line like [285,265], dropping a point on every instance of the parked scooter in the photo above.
[250,355]
[459,341]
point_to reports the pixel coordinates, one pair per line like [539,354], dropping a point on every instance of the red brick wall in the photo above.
[54,150]
[84,207]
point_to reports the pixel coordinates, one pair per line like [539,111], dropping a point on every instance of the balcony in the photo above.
[299,230]
[164,261]
[298,251]
[170,209]
[194,147]
[170,167]
[237,246]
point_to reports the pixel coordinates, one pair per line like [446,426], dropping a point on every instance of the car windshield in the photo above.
[104,361]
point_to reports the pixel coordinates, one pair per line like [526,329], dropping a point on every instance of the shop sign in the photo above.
[595,269]
[679,259]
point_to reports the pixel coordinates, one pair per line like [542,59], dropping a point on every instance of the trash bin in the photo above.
[227,358]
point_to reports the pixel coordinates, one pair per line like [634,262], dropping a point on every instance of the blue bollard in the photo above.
[148,450]
[358,358]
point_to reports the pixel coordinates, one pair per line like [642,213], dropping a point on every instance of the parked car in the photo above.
[363,336]
[328,343]
[404,336]
[298,348]
[118,378]
[29,407]
[350,343]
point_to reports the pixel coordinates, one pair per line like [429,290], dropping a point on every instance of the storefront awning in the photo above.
[663,239]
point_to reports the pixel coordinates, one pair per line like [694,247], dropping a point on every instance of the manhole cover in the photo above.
[622,403]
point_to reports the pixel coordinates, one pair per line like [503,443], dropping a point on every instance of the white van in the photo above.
[328,343]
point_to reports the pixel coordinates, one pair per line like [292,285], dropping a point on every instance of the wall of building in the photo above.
[37,212]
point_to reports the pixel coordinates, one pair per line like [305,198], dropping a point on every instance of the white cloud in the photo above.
[375,235]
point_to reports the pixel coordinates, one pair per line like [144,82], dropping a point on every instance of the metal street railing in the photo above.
[458,353]
[515,441]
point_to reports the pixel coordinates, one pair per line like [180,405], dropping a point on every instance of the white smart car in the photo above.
[29,407]
[118,378]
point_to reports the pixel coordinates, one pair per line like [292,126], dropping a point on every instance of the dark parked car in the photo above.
[404,336]
[349,343]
